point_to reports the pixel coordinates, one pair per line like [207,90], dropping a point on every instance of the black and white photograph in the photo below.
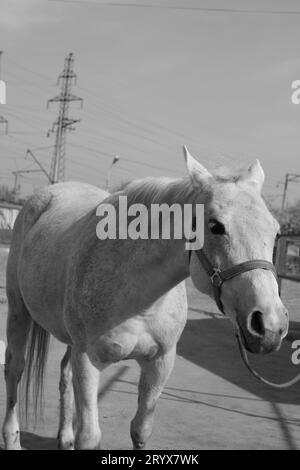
[149,227]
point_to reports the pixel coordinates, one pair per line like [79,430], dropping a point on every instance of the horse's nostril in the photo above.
[257,323]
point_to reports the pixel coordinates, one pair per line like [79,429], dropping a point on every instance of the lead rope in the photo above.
[244,356]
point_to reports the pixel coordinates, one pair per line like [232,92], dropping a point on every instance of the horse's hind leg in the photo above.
[86,381]
[18,326]
[154,375]
[65,431]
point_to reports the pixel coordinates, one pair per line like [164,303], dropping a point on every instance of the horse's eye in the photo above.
[216,227]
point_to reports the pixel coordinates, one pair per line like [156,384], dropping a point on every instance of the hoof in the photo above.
[65,442]
[139,445]
[12,441]
[88,443]
[66,445]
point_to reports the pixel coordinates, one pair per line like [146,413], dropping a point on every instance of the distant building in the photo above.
[8,215]
[287,258]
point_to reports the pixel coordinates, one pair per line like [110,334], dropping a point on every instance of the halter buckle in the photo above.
[216,278]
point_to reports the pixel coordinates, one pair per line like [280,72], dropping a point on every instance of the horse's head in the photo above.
[239,228]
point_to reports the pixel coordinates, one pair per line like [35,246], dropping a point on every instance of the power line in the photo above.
[29,70]
[116,113]
[131,124]
[137,162]
[17,174]
[27,144]
[42,168]
[186,8]
[128,122]
[24,121]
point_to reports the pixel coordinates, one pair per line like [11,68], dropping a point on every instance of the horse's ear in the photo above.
[198,173]
[256,174]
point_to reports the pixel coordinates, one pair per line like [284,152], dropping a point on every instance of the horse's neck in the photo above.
[165,263]
[170,259]
[156,266]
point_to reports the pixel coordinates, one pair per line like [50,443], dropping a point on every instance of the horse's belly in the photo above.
[120,345]
[147,335]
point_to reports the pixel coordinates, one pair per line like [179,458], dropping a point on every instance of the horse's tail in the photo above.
[38,339]
[33,376]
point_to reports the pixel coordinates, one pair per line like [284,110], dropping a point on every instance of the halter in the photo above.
[218,277]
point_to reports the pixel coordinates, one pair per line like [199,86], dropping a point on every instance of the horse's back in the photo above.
[64,201]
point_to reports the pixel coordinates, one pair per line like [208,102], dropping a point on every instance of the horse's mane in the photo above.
[158,190]
[153,190]
[224,174]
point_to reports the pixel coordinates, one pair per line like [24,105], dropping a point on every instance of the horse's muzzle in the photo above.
[265,344]
[261,333]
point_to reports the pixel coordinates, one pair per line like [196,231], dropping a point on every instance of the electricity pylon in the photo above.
[63,122]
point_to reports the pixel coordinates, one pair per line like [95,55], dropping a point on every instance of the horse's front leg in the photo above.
[154,375]
[85,382]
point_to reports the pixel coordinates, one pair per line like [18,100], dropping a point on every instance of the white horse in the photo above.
[110,300]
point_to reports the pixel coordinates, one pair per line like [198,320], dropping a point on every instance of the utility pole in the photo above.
[289,178]
[31,154]
[286,182]
[18,173]
[3,95]
[115,160]
[5,122]
[63,122]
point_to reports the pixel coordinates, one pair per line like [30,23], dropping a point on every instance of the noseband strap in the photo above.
[218,277]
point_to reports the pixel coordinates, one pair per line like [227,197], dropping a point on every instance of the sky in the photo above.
[215,75]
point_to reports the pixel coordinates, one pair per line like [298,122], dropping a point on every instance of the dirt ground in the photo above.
[210,402]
